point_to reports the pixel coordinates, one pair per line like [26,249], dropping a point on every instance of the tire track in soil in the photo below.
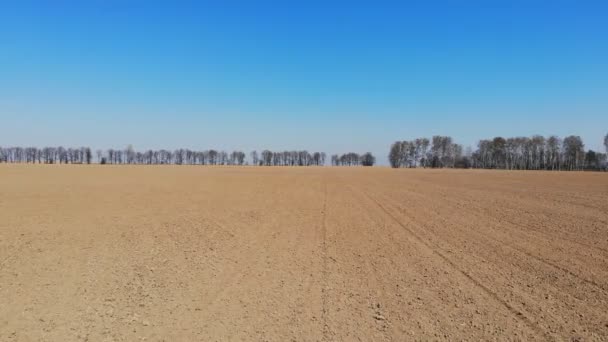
[363,300]
[542,260]
[309,286]
[516,313]
[325,271]
[382,318]
[556,289]
[569,240]
[563,236]
[471,202]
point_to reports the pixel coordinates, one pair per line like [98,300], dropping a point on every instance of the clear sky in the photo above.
[333,76]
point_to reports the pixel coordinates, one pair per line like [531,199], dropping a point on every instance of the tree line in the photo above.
[517,153]
[176,157]
[288,158]
[83,155]
[353,159]
[47,155]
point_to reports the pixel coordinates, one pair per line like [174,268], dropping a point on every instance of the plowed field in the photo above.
[186,253]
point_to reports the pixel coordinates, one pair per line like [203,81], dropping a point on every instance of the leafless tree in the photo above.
[367,159]
[574,152]
[254,158]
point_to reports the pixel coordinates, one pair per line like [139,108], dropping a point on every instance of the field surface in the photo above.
[180,253]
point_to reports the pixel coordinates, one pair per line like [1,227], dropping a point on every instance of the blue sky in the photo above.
[333,76]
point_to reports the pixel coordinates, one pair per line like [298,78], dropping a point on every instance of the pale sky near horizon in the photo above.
[332,76]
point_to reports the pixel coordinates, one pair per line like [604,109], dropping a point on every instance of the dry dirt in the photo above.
[179,253]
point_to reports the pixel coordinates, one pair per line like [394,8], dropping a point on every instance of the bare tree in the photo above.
[88,155]
[574,152]
[254,158]
[335,160]
[395,155]
[367,159]
[553,153]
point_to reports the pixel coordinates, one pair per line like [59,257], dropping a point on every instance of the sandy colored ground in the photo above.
[170,253]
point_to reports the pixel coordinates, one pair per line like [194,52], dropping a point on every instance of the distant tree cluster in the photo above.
[52,155]
[534,153]
[288,158]
[353,159]
[47,155]
[177,157]
[438,152]
[519,153]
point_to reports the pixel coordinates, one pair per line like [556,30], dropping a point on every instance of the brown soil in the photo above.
[180,253]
